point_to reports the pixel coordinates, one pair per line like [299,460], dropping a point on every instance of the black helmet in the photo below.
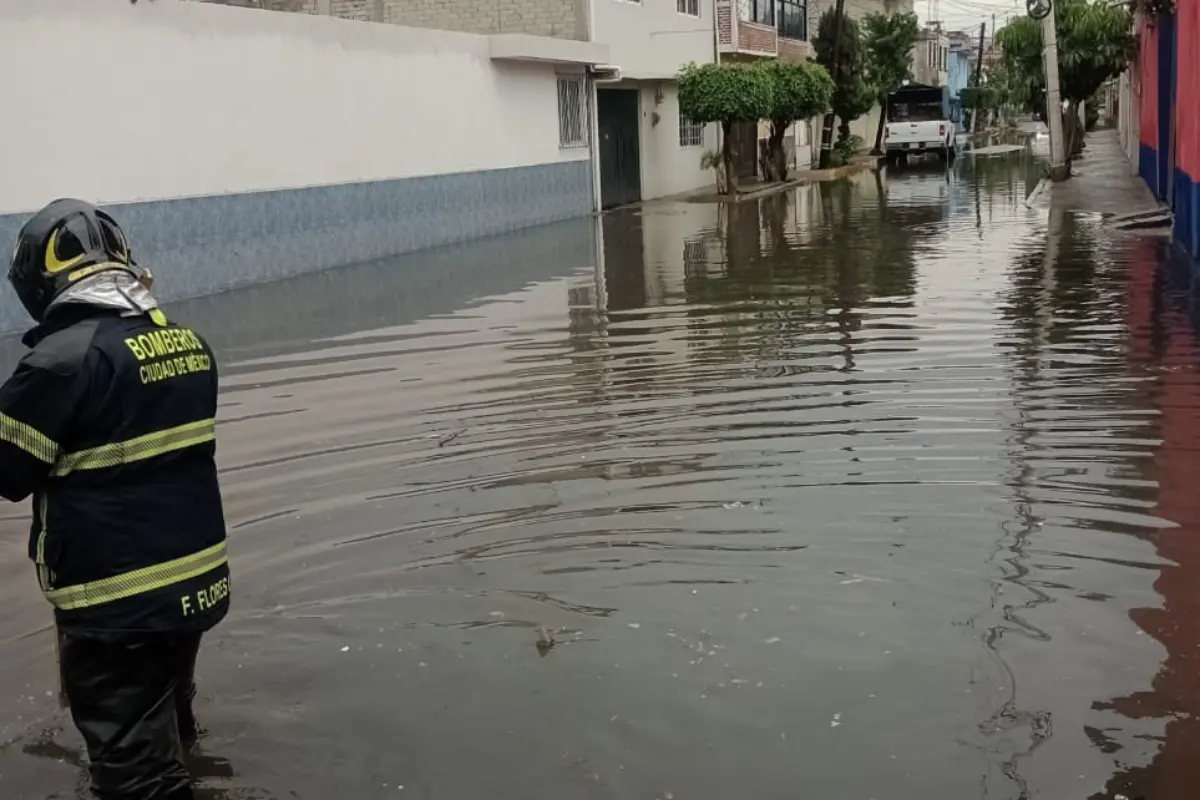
[66,241]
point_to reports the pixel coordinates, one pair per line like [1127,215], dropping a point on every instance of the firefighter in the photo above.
[107,423]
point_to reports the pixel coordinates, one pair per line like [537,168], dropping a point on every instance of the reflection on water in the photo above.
[874,489]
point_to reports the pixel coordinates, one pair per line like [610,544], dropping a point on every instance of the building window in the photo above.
[689,7]
[762,12]
[691,134]
[571,115]
[793,19]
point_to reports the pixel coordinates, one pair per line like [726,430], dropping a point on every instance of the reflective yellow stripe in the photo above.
[139,449]
[140,581]
[28,438]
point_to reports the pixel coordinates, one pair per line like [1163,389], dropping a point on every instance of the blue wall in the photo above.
[958,73]
[198,246]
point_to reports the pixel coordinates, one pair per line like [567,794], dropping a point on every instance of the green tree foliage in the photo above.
[852,96]
[888,42]
[1009,92]
[1095,43]
[727,94]
[800,90]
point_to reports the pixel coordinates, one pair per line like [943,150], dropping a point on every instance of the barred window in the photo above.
[689,7]
[571,111]
[691,134]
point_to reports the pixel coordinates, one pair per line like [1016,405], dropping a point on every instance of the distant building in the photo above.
[867,125]
[958,75]
[931,57]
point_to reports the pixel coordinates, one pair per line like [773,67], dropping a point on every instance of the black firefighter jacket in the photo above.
[108,423]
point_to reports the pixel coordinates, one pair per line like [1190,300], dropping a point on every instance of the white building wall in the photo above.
[237,145]
[669,167]
[193,99]
[1128,110]
[651,39]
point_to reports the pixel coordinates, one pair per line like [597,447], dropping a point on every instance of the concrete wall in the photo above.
[667,166]
[1128,108]
[566,19]
[240,146]
[651,39]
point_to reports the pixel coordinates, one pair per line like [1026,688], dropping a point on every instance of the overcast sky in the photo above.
[967,14]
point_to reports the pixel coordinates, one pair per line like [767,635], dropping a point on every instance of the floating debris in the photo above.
[545,641]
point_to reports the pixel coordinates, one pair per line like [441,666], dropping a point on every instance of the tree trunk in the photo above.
[843,134]
[826,128]
[878,150]
[776,160]
[727,157]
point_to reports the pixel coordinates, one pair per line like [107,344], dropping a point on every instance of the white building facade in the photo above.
[249,145]
[640,147]
[931,57]
[645,148]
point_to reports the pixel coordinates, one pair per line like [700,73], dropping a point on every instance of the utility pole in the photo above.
[827,128]
[1054,111]
[979,79]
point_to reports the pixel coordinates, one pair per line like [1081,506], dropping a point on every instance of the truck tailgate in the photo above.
[929,133]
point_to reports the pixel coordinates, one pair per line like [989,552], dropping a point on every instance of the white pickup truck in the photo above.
[918,122]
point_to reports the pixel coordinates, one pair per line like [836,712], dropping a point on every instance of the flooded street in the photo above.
[876,490]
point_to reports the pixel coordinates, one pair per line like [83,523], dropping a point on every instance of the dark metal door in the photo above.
[620,167]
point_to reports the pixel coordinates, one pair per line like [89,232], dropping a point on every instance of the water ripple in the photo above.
[858,486]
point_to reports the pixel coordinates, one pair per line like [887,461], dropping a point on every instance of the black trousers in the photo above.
[131,699]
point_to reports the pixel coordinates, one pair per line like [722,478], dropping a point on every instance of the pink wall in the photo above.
[1148,70]
[1187,87]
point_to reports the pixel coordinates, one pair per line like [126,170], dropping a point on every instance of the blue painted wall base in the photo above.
[1187,213]
[202,245]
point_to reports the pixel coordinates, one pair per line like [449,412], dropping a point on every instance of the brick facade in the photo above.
[755,38]
[563,19]
[794,50]
[725,25]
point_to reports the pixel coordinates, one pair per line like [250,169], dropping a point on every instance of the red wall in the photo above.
[1148,70]
[1162,343]
[1187,87]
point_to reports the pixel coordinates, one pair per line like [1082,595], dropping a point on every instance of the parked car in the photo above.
[918,122]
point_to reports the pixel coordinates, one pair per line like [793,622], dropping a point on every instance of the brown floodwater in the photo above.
[877,490]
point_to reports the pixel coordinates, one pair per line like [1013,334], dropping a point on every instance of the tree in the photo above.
[799,90]
[888,43]
[725,93]
[1095,44]
[980,96]
[1009,91]
[852,97]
